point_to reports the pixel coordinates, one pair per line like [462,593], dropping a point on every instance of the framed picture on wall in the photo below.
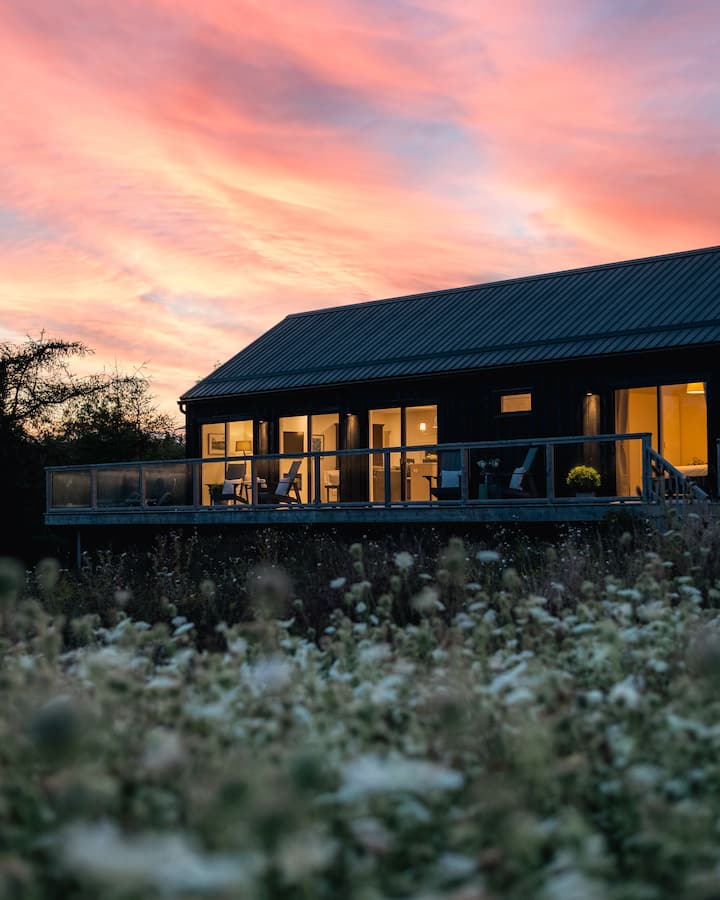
[216,445]
[316,443]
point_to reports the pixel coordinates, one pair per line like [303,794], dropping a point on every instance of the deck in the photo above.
[180,492]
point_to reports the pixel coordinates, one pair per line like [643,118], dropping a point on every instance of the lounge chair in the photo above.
[287,489]
[236,485]
[522,483]
[448,486]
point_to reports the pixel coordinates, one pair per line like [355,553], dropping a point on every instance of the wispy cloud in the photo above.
[176,176]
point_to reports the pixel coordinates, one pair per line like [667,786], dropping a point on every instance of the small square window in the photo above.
[516,403]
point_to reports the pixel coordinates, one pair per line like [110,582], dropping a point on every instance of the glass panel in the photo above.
[324,437]
[294,439]
[635,410]
[240,438]
[213,476]
[68,489]
[167,485]
[385,431]
[213,440]
[420,429]
[512,403]
[684,428]
[118,487]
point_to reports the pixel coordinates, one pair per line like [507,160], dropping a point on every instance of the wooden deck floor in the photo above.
[296,514]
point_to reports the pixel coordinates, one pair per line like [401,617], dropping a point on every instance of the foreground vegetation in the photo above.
[502,719]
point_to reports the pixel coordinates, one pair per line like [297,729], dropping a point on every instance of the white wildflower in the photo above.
[370,654]
[372,835]
[404,560]
[372,774]
[167,863]
[270,674]
[302,854]
[454,866]
[572,885]
[427,600]
[163,751]
[487,556]
[337,583]
[626,693]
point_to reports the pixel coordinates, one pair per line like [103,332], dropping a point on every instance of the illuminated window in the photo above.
[516,403]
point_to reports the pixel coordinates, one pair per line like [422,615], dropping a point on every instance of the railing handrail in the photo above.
[363,451]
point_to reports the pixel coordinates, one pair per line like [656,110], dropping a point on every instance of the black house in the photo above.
[620,348]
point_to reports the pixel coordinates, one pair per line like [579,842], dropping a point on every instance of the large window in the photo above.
[218,440]
[316,434]
[410,426]
[676,417]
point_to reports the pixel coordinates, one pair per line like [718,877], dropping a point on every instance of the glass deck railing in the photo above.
[458,473]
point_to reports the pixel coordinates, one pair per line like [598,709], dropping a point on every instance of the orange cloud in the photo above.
[175,177]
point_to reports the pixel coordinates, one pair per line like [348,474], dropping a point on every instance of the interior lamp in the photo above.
[696,387]
[423,426]
[243,446]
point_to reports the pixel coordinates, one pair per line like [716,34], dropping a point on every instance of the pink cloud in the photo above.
[175,177]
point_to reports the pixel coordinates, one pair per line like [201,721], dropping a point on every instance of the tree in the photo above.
[51,416]
[36,383]
[119,423]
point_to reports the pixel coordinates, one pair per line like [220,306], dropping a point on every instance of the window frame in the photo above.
[514,392]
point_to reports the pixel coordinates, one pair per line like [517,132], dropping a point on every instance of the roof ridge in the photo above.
[541,276]
[670,328]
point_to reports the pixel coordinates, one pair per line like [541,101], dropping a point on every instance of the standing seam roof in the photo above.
[652,303]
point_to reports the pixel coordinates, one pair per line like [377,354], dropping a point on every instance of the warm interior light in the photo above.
[243,446]
[696,387]
[423,426]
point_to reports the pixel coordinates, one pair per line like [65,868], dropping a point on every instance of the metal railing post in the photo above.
[386,477]
[465,495]
[316,479]
[550,472]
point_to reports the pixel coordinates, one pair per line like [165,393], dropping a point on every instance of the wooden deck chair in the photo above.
[235,487]
[449,481]
[522,483]
[287,490]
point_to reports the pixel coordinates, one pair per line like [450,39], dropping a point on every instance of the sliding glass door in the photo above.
[675,415]
[409,426]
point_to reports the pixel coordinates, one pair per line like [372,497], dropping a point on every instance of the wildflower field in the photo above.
[505,717]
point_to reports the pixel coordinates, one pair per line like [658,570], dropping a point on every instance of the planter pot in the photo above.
[584,495]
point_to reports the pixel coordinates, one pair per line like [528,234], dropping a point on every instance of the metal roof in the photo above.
[634,305]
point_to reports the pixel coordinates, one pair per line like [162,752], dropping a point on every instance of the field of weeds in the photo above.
[510,718]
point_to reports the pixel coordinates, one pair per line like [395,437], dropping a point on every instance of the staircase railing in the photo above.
[668,483]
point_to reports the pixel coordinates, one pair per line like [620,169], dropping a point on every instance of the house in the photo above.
[463,405]
[623,348]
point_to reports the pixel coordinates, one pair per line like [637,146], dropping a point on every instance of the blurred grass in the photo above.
[407,715]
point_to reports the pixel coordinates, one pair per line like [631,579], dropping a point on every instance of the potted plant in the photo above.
[584,479]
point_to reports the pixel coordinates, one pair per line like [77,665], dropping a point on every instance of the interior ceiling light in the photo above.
[696,387]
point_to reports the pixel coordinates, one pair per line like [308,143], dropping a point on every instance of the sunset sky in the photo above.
[178,175]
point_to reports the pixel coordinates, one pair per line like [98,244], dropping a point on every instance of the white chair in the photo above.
[332,483]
